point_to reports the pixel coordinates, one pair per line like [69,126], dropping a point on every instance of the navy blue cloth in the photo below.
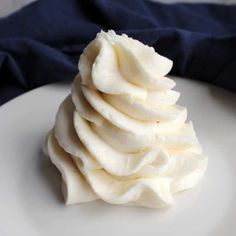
[41,43]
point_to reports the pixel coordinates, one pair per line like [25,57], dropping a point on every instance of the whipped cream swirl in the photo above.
[119,136]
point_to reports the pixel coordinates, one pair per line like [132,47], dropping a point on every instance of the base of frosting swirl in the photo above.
[128,144]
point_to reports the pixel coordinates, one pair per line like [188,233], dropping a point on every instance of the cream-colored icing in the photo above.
[120,136]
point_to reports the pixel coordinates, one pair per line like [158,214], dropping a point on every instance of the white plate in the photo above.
[31,201]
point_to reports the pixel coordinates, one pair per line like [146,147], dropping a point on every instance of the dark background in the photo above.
[41,43]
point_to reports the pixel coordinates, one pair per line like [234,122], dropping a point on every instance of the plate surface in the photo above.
[31,201]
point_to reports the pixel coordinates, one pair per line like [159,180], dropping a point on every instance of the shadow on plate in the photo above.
[226,99]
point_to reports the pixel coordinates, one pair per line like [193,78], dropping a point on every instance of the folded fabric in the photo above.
[41,43]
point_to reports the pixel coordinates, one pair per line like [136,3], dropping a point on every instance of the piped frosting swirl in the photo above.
[119,136]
